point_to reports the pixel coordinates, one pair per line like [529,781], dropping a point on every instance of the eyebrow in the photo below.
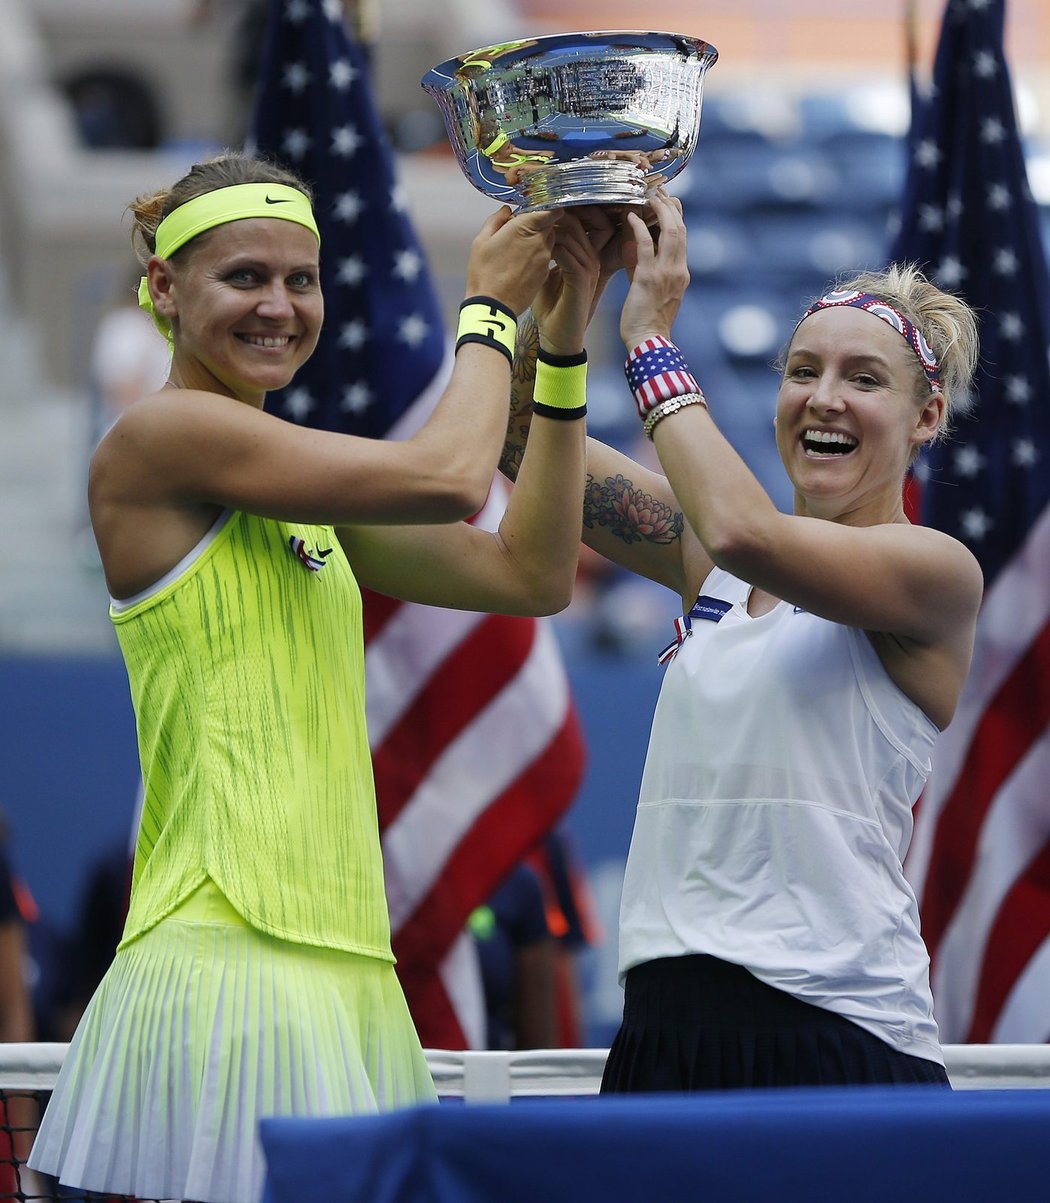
[851,359]
[236,261]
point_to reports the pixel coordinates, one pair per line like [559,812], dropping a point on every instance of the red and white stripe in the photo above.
[664,385]
[662,388]
[980,857]
[656,343]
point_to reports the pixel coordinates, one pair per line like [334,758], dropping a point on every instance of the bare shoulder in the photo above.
[139,457]
[168,411]
[175,432]
[951,561]
[946,585]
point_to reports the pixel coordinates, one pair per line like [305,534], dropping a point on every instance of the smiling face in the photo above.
[853,407]
[245,304]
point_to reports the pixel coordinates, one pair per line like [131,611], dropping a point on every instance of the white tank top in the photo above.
[775,811]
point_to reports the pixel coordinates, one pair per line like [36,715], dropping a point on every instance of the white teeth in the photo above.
[829,439]
[266,342]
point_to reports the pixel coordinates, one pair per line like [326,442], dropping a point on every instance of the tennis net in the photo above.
[28,1073]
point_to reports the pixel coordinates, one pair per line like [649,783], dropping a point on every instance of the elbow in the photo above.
[455,505]
[735,549]
[554,601]
[464,490]
[541,596]
[553,592]
[455,497]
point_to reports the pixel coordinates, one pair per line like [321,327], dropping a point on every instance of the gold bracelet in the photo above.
[672,406]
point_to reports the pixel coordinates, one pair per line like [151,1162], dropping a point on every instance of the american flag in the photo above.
[980,859]
[657,371]
[476,742]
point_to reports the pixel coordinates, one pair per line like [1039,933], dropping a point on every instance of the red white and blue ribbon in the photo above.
[306,554]
[706,608]
[683,628]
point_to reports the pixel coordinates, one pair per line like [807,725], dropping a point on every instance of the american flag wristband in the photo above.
[657,371]
[561,385]
[489,322]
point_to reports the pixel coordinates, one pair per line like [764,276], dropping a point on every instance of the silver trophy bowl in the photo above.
[574,118]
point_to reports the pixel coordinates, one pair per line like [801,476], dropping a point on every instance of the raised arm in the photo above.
[184,446]
[630,514]
[849,555]
[173,459]
[528,565]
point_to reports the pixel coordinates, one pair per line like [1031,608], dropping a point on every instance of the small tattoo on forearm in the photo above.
[513,448]
[522,384]
[526,346]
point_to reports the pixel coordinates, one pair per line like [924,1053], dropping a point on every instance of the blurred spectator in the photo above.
[129,357]
[114,110]
[528,936]
[16,910]
[18,1112]
[70,964]
[516,952]
[572,920]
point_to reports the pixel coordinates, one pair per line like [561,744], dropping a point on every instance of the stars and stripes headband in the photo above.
[216,208]
[907,329]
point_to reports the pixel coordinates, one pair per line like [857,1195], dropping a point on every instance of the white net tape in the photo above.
[498,1077]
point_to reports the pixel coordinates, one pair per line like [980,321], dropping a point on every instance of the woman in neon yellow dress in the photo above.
[255,975]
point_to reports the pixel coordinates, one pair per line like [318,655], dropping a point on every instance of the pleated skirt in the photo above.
[201,1027]
[700,1023]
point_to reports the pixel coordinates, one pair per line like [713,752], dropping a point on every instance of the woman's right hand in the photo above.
[658,271]
[510,256]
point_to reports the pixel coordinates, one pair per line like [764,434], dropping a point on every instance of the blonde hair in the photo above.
[222,171]
[945,320]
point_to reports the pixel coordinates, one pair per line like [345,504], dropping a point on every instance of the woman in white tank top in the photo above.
[767,933]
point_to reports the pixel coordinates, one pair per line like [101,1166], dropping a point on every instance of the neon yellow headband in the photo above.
[232,204]
[500,139]
[235,203]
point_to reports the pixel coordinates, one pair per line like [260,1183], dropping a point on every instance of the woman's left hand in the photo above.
[564,304]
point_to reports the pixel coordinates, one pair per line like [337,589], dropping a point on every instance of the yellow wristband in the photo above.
[489,322]
[561,385]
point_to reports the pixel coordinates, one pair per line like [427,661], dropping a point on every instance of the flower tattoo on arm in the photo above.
[628,513]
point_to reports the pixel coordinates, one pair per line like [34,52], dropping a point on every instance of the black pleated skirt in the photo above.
[699,1023]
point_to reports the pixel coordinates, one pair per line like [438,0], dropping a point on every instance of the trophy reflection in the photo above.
[580,118]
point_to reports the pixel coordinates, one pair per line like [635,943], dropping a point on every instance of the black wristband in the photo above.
[556,411]
[561,361]
[492,303]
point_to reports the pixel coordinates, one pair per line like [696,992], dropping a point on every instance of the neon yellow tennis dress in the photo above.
[255,973]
